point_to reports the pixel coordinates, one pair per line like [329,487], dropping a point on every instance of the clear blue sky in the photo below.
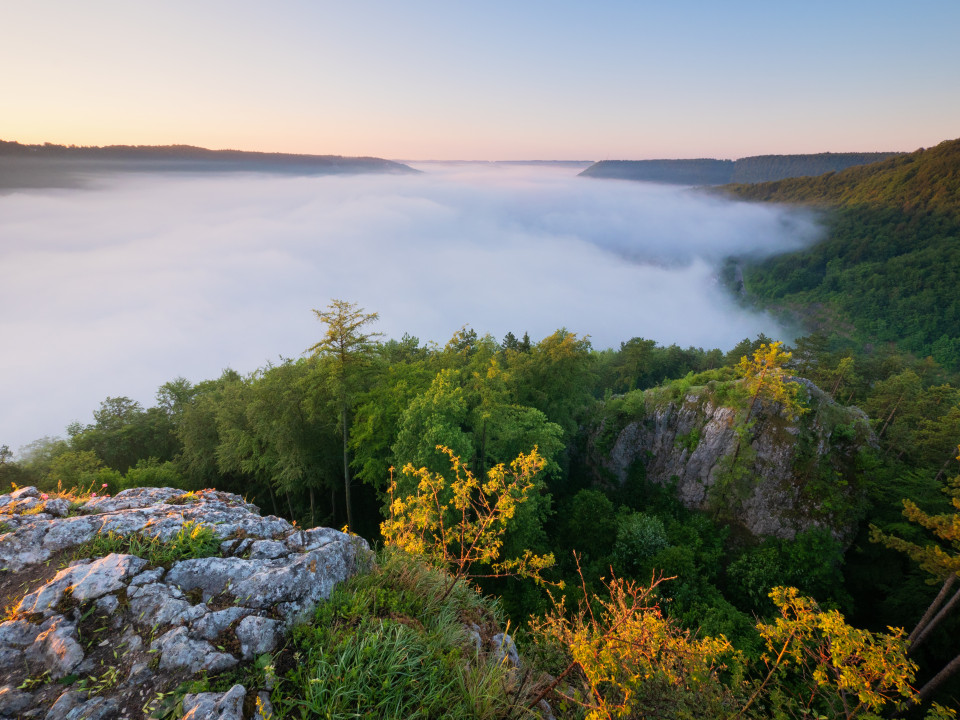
[490,80]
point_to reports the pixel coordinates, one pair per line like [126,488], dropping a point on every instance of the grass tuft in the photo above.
[390,644]
[194,540]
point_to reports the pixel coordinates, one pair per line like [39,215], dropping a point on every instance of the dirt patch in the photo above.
[222,601]
[410,622]
[15,584]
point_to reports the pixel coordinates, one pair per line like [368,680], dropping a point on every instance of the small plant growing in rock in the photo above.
[460,524]
[765,376]
[194,540]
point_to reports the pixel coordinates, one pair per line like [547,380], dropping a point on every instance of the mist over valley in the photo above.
[138,278]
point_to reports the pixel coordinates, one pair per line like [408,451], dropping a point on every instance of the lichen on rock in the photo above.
[135,632]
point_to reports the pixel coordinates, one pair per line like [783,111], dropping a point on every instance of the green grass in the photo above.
[389,645]
[194,540]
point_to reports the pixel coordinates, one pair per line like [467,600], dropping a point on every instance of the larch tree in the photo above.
[348,347]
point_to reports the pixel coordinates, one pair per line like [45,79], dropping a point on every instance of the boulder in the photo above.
[215,706]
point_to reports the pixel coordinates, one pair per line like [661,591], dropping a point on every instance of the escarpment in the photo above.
[96,634]
[774,473]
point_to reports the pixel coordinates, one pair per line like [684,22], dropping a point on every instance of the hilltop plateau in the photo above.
[706,171]
[49,165]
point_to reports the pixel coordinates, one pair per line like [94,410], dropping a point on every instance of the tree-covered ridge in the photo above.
[177,152]
[703,171]
[708,171]
[889,265]
[766,168]
[926,181]
[49,165]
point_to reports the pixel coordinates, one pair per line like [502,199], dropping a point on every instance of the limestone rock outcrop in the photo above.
[774,473]
[131,631]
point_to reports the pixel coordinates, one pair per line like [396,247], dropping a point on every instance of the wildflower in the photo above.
[93,495]
[44,496]
[104,485]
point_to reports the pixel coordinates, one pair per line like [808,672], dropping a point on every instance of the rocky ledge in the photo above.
[782,475]
[113,636]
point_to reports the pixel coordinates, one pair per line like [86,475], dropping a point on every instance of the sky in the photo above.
[118,287]
[544,79]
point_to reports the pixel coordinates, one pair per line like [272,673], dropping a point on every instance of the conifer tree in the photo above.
[348,346]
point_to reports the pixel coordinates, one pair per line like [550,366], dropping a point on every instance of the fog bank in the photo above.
[115,289]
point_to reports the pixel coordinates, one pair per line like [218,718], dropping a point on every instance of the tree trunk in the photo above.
[289,505]
[943,469]
[934,606]
[836,386]
[937,680]
[936,621]
[481,465]
[273,500]
[890,417]
[346,467]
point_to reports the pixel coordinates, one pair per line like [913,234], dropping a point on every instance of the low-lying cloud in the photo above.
[119,287]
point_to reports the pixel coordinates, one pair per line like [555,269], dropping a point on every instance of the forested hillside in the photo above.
[318,439]
[707,171]
[889,265]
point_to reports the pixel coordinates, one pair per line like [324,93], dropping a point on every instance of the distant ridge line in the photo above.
[753,169]
[60,166]
[138,152]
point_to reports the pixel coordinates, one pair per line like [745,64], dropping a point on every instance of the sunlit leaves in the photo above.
[460,523]
[831,666]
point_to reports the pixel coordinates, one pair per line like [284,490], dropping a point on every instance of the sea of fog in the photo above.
[135,279]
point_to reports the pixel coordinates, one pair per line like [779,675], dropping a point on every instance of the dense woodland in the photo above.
[889,267]
[319,438]
[276,436]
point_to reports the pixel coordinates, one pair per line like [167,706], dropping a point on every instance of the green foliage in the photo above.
[639,539]
[707,171]
[391,643]
[435,418]
[151,472]
[589,523]
[275,437]
[811,562]
[941,557]
[890,255]
[193,540]
[688,441]
[123,432]
[348,349]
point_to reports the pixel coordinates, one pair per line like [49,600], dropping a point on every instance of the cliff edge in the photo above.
[104,621]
